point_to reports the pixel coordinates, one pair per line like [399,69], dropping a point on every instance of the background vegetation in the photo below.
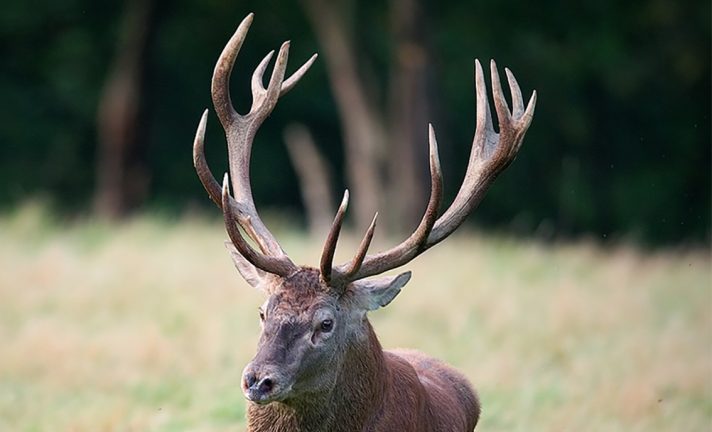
[620,144]
[146,327]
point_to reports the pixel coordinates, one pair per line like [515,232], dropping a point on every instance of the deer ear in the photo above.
[254,276]
[377,293]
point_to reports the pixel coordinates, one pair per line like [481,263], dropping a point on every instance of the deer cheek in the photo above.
[318,337]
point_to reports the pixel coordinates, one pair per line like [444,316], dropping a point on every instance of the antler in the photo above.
[491,153]
[240,131]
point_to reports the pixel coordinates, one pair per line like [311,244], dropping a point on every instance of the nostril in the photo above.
[266,385]
[250,379]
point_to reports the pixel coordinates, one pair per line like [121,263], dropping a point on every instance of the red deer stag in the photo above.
[319,365]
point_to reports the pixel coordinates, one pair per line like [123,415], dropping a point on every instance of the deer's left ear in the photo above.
[377,293]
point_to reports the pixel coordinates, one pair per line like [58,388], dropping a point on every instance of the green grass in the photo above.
[146,327]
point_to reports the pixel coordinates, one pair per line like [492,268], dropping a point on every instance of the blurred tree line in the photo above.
[619,146]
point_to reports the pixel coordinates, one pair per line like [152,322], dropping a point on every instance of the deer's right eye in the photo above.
[327,325]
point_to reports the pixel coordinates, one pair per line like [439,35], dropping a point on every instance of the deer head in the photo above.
[312,315]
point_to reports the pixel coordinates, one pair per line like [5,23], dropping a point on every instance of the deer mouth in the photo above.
[261,398]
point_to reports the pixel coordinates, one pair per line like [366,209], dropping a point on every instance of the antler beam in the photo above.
[491,153]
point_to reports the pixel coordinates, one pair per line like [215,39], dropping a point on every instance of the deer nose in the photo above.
[256,386]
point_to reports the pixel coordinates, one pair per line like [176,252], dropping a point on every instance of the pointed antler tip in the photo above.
[345,200]
[202,123]
[494,71]
[432,141]
[247,21]
[532,100]
[529,112]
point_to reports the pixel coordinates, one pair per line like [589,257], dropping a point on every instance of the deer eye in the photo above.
[262,315]
[327,325]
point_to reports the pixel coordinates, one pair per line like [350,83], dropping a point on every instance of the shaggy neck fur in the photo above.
[357,395]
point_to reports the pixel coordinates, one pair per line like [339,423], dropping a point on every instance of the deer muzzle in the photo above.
[263,384]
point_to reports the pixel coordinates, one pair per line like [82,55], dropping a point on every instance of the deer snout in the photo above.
[260,385]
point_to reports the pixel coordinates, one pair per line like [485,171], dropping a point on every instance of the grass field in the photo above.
[146,327]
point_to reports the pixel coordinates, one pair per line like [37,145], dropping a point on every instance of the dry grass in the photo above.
[146,327]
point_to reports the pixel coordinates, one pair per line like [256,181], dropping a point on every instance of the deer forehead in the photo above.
[305,281]
[301,295]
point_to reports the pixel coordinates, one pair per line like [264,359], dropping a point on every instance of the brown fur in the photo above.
[373,390]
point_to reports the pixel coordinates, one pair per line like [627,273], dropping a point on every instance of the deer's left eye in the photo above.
[327,325]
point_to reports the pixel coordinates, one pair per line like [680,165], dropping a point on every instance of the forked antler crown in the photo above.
[491,153]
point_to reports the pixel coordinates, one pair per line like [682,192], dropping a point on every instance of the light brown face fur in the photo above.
[305,325]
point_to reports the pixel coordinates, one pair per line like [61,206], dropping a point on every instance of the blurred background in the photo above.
[101,103]
[582,283]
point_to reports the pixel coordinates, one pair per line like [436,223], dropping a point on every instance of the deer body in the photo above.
[319,365]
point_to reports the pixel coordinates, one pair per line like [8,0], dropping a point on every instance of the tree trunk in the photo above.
[364,135]
[368,136]
[122,177]
[410,113]
[314,179]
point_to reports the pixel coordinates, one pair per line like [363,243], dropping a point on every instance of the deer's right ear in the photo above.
[377,293]
[254,276]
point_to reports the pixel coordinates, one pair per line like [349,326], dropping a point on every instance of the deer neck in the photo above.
[356,396]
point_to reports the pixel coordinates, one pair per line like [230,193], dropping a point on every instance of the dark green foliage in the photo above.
[619,146]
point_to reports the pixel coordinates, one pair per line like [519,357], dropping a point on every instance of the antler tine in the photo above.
[500,104]
[415,243]
[264,101]
[258,90]
[357,260]
[517,101]
[223,69]
[277,265]
[201,165]
[290,82]
[258,75]
[327,254]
